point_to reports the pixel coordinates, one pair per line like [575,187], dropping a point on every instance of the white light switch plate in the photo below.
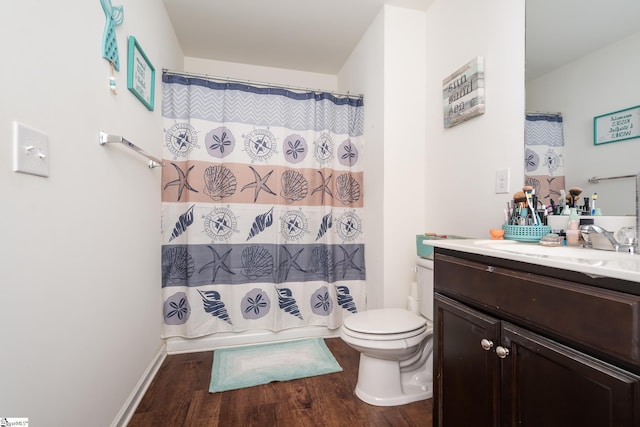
[30,150]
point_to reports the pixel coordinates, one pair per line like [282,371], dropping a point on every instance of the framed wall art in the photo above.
[141,76]
[463,93]
[617,126]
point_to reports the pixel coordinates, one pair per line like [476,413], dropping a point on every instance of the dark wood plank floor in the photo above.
[179,396]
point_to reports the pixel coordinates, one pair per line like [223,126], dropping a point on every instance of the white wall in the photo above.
[388,66]
[462,161]
[404,148]
[599,83]
[80,250]
[364,71]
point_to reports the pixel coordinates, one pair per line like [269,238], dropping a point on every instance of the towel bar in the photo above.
[106,138]
[595,179]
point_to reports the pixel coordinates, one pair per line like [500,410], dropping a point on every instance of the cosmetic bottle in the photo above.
[573,234]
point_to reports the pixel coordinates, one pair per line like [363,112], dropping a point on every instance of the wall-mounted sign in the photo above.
[617,126]
[463,93]
[141,76]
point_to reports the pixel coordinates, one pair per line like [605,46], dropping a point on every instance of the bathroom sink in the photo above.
[537,250]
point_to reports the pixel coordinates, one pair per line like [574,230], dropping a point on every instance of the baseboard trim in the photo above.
[132,402]
[177,345]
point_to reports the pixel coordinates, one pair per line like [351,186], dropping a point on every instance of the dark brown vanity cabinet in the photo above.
[515,348]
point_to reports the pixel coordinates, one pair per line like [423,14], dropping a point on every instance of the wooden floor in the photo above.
[179,396]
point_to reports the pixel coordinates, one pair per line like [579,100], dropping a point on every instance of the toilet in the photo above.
[396,348]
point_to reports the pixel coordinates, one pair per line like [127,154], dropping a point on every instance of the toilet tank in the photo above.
[425,286]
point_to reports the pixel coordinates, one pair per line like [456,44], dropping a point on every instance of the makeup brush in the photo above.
[575,195]
[518,200]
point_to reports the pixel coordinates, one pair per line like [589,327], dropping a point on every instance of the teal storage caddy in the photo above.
[525,233]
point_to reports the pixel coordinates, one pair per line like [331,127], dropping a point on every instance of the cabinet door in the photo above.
[466,375]
[547,384]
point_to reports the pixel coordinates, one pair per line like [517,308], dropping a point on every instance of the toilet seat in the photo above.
[387,337]
[385,324]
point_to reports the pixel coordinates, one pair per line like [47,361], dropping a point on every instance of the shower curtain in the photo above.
[544,155]
[262,196]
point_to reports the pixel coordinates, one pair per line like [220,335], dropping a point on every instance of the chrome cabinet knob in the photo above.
[486,344]
[502,352]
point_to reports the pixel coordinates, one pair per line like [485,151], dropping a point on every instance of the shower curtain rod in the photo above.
[542,113]
[257,83]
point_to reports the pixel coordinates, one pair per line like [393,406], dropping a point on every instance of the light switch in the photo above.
[502,181]
[30,150]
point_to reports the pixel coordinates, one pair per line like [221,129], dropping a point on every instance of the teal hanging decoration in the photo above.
[115,17]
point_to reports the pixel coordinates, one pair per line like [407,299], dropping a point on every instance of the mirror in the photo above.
[582,62]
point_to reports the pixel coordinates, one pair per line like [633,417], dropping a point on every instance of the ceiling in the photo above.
[319,35]
[306,35]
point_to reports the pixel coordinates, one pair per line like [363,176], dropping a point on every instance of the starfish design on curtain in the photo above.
[290,262]
[259,184]
[324,187]
[217,263]
[181,182]
[347,262]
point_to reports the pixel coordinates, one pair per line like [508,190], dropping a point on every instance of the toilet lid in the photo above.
[384,321]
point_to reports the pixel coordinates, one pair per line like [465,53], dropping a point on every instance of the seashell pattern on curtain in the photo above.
[262,197]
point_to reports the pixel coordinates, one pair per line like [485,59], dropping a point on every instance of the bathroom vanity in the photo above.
[535,336]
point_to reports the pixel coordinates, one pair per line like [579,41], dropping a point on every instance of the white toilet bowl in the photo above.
[395,348]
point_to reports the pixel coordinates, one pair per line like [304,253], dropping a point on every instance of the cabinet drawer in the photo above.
[468,280]
[604,320]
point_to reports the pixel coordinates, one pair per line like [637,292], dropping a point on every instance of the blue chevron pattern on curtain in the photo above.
[262,196]
[544,155]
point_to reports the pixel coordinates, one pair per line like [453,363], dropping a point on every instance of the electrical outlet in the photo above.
[30,150]
[502,181]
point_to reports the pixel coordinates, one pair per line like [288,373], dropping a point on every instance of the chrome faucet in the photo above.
[598,238]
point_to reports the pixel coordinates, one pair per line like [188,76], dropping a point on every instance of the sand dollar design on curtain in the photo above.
[262,199]
[544,155]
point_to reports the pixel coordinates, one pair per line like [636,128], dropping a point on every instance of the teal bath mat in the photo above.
[249,366]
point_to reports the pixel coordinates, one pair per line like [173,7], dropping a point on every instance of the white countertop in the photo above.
[592,262]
